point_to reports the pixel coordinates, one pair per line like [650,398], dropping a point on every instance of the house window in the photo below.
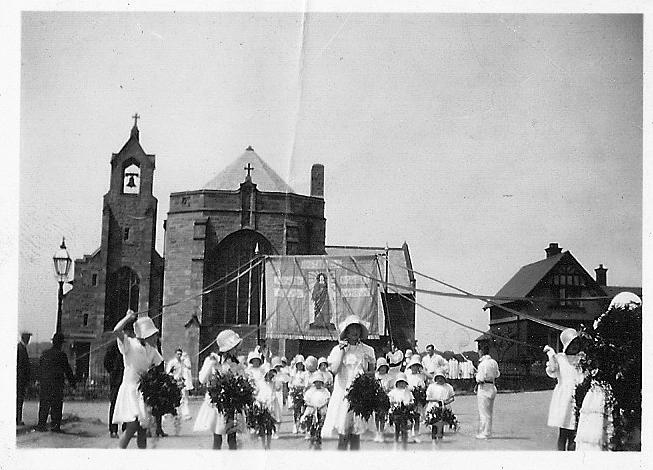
[85,319]
[125,234]
[94,280]
[567,284]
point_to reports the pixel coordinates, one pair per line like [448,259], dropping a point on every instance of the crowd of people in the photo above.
[316,389]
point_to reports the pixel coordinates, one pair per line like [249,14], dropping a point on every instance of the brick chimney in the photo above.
[317,180]
[601,275]
[553,250]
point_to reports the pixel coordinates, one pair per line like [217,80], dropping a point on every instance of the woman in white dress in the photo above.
[348,359]
[139,355]
[208,417]
[565,368]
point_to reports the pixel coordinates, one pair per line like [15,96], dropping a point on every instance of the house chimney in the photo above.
[552,250]
[601,275]
[317,180]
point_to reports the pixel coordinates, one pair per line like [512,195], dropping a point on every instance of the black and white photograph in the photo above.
[401,232]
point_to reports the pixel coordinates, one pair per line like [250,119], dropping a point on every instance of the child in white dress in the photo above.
[401,395]
[139,355]
[439,394]
[387,382]
[323,366]
[565,368]
[416,378]
[298,382]
[267,397]
[208,416]
[317,401]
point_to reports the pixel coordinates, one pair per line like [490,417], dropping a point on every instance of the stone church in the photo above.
[245,212]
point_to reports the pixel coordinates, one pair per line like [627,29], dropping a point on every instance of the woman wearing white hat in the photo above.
[225,361]
[348,359]
[565,368]
[139,355]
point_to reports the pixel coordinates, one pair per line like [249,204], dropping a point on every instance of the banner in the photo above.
[308,296]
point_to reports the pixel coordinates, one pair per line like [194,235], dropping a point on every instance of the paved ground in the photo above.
[519,424]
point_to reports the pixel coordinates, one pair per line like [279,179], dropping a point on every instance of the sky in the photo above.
[476,138]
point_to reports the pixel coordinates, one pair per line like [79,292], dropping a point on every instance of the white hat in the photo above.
[380,362]
[322,360]
[275,361]
[401,377]
[317,376]
[144,327]
[311,361]
[567,336]
[298,359]
[254,355]
[227,340]
[414,360]
[439,371]
[354,320]
[396,357]
[626,300]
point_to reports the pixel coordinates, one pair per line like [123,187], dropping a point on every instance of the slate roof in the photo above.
[523,282]
[399,262]
[265,178]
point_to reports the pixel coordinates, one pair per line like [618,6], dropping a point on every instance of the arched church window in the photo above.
[131,179]
[121,294]
[240,302]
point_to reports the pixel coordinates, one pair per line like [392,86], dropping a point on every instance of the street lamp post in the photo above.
[62,264]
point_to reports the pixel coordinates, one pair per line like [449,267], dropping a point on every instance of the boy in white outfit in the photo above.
[487,373]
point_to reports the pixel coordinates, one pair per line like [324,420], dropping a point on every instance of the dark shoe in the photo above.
[114,435]
[160,433]
[41,428]
[20,423]
[57,430]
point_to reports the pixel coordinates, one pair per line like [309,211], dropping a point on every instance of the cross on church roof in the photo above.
[136,117]
[249,168]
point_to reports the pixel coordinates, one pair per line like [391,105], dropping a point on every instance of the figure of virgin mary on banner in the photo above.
[307,296]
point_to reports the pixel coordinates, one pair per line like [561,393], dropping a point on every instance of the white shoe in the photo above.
[294,429]
[482,436]
[416,439]
[307,437]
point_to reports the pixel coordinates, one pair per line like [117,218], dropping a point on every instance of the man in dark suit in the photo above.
[114,365]
[22,375]
[53,368]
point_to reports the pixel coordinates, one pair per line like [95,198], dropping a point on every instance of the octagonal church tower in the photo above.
[214,233]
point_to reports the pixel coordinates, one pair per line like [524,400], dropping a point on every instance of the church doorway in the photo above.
[241,302]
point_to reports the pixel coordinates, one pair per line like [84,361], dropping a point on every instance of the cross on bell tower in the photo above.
[134,132]
[249,169]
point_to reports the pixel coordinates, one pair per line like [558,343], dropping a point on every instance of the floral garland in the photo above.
[312,423]
[382,402]
[297,396]
[441,413]
[230,393]
[261,420]
[365,396]
[160,392]
[402,414]
[419,395]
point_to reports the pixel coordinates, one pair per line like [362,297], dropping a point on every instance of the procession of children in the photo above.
[351,392]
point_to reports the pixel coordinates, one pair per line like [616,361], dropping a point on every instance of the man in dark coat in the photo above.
[114,365]
[22,375]
[53,368]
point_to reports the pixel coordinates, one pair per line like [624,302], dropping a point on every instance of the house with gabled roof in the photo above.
[556,289]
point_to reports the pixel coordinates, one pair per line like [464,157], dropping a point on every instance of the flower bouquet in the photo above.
[261,420]
[365,396]
[402,415]
[160,392]
[230,393]
[419,395]
[382,403]
[441,413]
[297,396]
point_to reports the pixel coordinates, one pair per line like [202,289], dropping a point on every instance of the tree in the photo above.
[613,350]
